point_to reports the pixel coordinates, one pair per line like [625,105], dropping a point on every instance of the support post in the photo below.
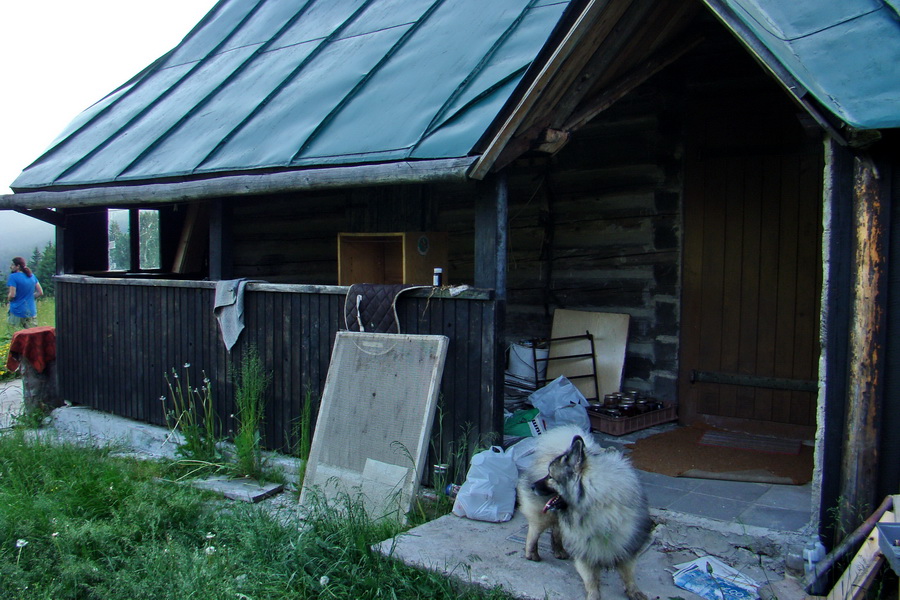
[491,234]
[491,231]
[859,466]
[837,304]
[221,264]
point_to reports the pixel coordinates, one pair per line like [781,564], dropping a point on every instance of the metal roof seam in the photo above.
[475,100]
[371,31]
[206,99]
[120,131]
[294,72]
[436,119]
[809,33]
[359,85]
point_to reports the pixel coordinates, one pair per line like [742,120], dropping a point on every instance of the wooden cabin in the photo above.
[697,165]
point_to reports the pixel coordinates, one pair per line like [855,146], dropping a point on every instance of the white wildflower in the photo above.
[324,580]
[187,365]
[21,543]
[210,550]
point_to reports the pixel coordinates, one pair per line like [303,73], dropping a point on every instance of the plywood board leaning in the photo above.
[610,331]
[374,423]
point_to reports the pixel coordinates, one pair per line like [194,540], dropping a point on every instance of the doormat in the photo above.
[678,453]
[746,441]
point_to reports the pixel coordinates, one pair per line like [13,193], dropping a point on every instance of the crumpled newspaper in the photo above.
[714,580]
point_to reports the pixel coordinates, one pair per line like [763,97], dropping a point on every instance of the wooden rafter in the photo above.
[610,61]
[636,77]
[46,215]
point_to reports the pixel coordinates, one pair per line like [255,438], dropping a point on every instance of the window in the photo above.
[133,253]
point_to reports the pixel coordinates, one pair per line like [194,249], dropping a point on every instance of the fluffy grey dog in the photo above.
[592,501]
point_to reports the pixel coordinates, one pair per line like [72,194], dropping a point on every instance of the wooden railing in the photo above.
[117,339]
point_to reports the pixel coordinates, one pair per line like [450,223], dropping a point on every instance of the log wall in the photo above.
[597,228]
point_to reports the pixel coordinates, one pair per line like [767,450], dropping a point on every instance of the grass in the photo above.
[81,524]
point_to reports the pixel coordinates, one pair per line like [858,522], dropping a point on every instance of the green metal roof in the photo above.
[845,53]
[270,84]
[286,84]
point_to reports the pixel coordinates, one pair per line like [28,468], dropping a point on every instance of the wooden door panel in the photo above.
[751,285]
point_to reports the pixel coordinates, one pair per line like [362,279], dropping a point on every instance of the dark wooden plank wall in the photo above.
[118,339]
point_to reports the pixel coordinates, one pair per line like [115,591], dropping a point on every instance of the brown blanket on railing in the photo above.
[373,307]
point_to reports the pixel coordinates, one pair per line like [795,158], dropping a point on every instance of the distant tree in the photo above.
[35,258]
[45,267]
[149,224]
[119,248]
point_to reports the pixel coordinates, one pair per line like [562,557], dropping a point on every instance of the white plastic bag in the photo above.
[561,403]
[522,452]
[489,492]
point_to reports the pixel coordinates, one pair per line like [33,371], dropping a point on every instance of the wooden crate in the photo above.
[623,425]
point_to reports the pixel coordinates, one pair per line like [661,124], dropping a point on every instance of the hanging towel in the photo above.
[229,309]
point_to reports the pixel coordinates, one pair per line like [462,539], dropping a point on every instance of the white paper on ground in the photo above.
[714,580]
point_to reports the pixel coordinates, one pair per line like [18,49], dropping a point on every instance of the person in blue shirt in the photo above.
[24,287]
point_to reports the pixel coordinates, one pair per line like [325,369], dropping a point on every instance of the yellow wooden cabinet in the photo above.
[403,257]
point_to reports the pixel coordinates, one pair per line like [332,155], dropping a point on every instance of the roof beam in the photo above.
[632,80]
[46,215]
[526,102]
[550,140]
[406,172]
[770,63]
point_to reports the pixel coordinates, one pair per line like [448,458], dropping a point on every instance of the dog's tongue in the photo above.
[553,503]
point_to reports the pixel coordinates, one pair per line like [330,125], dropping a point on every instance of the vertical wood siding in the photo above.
[118,340]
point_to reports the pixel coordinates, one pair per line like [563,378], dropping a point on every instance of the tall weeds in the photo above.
[189,411]
[250,401]
[303,430]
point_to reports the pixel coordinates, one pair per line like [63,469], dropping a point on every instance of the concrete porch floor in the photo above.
[754,527]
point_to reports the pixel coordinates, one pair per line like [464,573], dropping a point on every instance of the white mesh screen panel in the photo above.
[375,418]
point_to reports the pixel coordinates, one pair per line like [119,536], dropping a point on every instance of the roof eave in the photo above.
[833,125]
[245,184]
[520,104]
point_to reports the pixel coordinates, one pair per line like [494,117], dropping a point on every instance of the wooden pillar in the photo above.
[837,306]
[859,466]
[134,240]
[221,259]
[65,247]
[491,235]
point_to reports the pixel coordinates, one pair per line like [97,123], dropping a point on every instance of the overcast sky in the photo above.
[57,57]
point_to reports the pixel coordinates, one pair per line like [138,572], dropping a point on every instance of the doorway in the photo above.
[752,273]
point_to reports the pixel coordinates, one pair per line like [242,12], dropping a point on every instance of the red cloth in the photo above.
[37,345]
